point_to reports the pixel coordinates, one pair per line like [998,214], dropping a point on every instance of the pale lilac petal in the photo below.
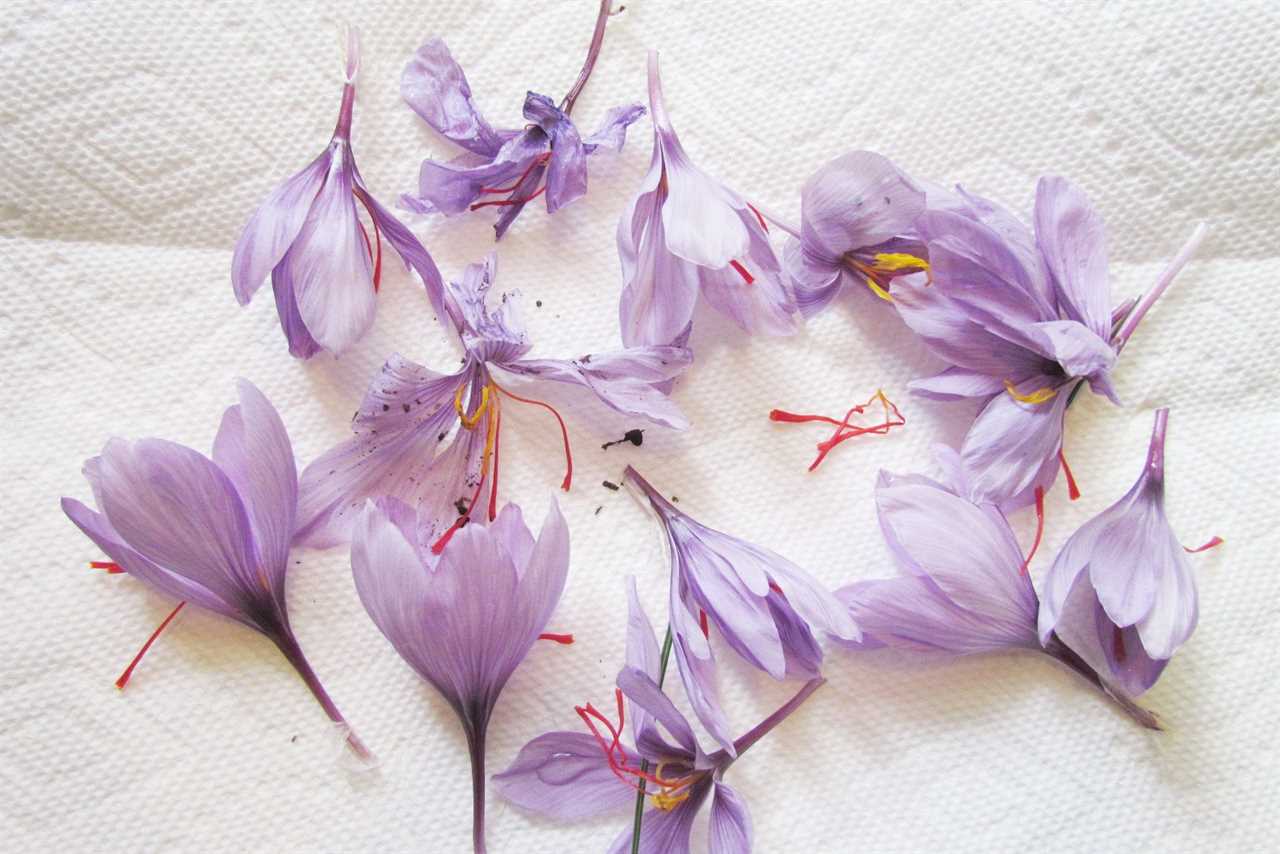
[1012,447]
[409,248]
[273,228]
[730,828]
[1176,611]
[814,281]
[666,831]
[180,511]
[660,290]
[436,88]
[957,384]
[1079,351]
[253,449]
[612,132]
[701,220]
[301,344]
[641,690]
[330,268]
[565,776]
[697,670]
[855,201]
[514,536]
[763,305]
[1073,240]
[642,643]
[567,168]
[542,577]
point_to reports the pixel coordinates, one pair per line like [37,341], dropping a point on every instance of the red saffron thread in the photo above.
[702,622]
[561,639]
[128,671]
[504,202]
[742,271]
[1213,543]
[538,161]
[763,224]
[111,567]
[1073,491]
[377,234]
[564,432]
[1035,544]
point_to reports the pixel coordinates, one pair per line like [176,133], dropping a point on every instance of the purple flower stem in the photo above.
[1162,284]
[1065,654]
[475,745]
[644,763]
[343,129]
[1155,453]
[760,730]
[289,646]
[593,53]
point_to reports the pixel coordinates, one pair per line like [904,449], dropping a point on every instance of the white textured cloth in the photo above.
[136,140]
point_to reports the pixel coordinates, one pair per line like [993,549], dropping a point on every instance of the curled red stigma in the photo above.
[561,639]
[1035,544]
[1213,543]
[493,487]
[504,202]
[111,567]
[615,754]
[128,671]
[564,432]
[845,429]
[742,271]
[1072,490]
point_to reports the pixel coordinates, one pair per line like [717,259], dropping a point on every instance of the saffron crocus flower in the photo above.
[685,233]
[309,237]
[1025,321]
[504,168]
[766,608]
[1125,577]
[856,219]
[573,775]
[212,532]
[406,444]
[466,621]
[964,587]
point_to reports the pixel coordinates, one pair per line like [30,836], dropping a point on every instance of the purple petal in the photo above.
[567,168]
[765,303]
[435,87]
[698,673]
[253,449]
[856,201]
[642,649]
[814,281]
[566,776]
[1012,447]
[660,289]
[666,831]
[641,690]
[730,827]
[612,132]
[1073,240]
[410,249]
[180,511]
[330,268]
[957,384]
[301,344]
[274,226]
[1080,352]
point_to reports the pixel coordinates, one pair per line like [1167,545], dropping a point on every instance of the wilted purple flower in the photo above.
[504,168]
[405,442]
[766,607]
[686,233]
[573,775]
[1125,577]
[1024,320]
[308,236]
[964,586]
[211,532]
[856,219]
[464,622]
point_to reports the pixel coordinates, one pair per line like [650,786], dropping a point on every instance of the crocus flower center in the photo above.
[670,790]
[1034,398]
[883,268]
[489,412]
[845,428]
[538,161]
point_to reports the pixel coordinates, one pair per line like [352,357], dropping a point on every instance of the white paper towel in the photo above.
[137,138]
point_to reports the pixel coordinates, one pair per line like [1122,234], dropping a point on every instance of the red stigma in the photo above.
[128,671]
[111,567]
[1117,643]
[560,639]
[505,202]
[742,271]
[1213,543]
[538,161]
[1072,490]
[845,429]
[564,432]
[702,623]
[763,224]
[1035,544]
[377,234]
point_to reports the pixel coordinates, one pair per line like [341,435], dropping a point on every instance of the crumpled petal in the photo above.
[435,87]
[1073,239]
[567,168]
[612,133]
[564,775]
[274,226]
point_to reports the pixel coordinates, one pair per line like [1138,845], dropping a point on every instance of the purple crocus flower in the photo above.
[686,233]
[1125,577]
[1024,321]
[464,622]
[856,218]
[504,168]
[767,608]
[212,532]
[964,586]
[406,445]
[574,775]
[309,237]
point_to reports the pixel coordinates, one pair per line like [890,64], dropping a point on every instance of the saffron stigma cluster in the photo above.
[1019,310]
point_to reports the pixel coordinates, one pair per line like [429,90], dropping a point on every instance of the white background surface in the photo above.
[135,142]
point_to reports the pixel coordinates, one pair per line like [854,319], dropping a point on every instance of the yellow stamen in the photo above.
[891,261]
[666,802]
[470,421]
[1038,396]
[878,291]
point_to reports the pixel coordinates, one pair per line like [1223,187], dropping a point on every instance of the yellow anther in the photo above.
[470,421]
[667,802]
[1040,395]
[878,291]
[891,261]
[672,792]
